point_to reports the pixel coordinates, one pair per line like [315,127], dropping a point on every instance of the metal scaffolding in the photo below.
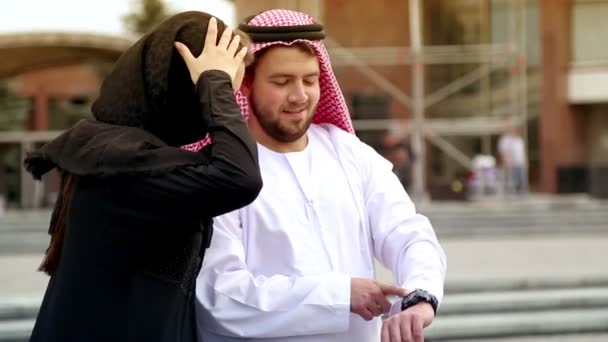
[490,57]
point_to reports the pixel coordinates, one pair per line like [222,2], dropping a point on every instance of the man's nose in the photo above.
[298,93]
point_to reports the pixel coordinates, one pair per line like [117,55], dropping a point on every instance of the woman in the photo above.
[135,209]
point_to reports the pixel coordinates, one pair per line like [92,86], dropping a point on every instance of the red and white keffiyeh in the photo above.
[332,107]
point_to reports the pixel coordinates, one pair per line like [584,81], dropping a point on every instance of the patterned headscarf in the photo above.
[332,107]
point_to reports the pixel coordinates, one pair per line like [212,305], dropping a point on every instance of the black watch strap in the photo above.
[418,296]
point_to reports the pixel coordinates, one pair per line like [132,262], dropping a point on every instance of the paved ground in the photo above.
[19,278]
[573,338]
[471,260]
[527,257]
[468,261]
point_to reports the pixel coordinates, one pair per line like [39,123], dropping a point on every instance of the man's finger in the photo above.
[184,51]
[389,289]
[211,36]
[225,38]
[386,337]
[366,315]
[417,329]
[395,332]
[375,309]
[385,305]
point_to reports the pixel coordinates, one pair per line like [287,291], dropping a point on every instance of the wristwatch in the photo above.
[418,296]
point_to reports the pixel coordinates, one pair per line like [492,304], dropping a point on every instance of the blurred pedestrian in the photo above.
[512,152]
[399,152]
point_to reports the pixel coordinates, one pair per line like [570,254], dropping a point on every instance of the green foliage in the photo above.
[145,15]
[13,109]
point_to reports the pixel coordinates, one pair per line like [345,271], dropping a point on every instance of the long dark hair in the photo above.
[58,225]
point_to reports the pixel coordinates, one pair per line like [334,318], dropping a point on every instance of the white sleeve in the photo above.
[404,241]
[231,301]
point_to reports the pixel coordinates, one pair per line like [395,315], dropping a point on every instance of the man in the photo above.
[512,150]
[298,263]
[397,150]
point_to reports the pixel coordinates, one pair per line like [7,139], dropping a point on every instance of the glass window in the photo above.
[589,23]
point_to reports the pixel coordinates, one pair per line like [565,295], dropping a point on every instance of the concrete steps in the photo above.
[462,286]
[19,308]
[591,337]
[466,222]
[524,301]
[464,316]
[16,330]
[509,324]
[521,311]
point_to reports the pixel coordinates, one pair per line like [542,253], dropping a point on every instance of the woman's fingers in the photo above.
[225,39]
[234,45]
[211,36]
[184,52]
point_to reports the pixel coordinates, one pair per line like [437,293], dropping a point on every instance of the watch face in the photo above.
[420,293]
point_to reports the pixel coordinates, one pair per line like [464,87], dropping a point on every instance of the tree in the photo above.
[145,15]
[13,108]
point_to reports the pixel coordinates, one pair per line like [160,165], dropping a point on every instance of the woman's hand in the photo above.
[223,56]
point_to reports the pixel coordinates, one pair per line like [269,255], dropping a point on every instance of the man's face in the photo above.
[284,92]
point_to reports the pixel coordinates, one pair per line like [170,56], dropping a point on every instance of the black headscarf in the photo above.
[146,108]
[150,86]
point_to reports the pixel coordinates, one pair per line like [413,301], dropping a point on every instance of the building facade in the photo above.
[487,64]
[482,66]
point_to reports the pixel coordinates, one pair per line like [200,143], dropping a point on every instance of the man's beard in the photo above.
[278,130]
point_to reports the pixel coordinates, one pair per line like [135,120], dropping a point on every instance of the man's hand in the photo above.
[368,297]
[221,56]
[408,325]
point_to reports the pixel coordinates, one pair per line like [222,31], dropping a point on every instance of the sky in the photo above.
[94,16]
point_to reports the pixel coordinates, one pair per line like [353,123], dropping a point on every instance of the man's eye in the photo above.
[310,81]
